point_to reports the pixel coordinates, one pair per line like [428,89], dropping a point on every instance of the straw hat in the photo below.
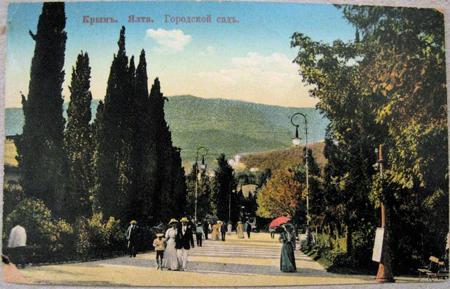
[184,219]
[133,222]
[173,221]
[159,235]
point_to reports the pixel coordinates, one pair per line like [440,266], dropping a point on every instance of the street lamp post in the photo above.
[296,141]
[202,166]
[384,273]
[229,207]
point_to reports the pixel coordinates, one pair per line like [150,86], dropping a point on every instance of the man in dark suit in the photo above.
[184,240]
[206,229]
[249,229]
[132,238]
[223,230]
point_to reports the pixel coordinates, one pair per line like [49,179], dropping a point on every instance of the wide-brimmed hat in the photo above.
[133,222]
[159,235]
[288,225]
[173,221]
[184,219]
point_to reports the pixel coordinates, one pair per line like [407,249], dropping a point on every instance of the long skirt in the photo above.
[215,235]
[287,262]
[240,232]
[170,256]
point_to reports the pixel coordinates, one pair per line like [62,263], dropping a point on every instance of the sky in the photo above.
[250,60]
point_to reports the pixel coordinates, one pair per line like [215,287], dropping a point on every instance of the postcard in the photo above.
[224,144]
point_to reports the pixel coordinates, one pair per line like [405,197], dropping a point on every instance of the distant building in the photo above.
[247,189]
[236,163]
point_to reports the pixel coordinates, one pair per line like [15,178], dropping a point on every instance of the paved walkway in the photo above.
[235,262]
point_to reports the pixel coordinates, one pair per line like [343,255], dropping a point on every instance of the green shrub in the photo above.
[41,228]
[97,239]
[12,195]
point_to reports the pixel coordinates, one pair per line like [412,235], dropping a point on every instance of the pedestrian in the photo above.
[170,253]
[447,247]
[215,231]
[159,244]
[183,243]
[199,234]
[240,230]
[17,237]
[191,225]
[206,229]
[287,260]
[249,229]
[17,241]
[132,238]
[229,228]
[223,230]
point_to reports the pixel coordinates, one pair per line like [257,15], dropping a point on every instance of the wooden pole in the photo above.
[384,274]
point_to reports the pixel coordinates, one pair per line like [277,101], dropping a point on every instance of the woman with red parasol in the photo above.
[287,261]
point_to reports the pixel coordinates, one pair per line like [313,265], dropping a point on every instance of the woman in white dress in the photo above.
[170,253]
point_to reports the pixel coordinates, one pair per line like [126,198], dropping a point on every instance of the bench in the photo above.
[440,275]
[436,270]
[23,255]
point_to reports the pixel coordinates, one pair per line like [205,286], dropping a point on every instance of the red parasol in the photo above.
[278,221]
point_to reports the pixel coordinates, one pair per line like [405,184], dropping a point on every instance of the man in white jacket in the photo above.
[17,240]
[17,237]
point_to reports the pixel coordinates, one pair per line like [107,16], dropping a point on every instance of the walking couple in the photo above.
[179,240]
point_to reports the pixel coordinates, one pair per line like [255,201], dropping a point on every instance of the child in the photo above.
[158,243]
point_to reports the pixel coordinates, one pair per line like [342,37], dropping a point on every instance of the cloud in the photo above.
[254,59]
[271,79]
[170,41]
[208,51]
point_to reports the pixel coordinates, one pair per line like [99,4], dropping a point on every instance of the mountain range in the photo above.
[219,125]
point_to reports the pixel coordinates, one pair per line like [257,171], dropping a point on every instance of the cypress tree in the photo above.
[112,139]
[41,157]
[78,140]
[224,183]
[170,180]
[96,133]
[163,148]
[143,158]
[179,189]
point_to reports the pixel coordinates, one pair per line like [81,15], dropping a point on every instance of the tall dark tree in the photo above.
[143,154]
[179,189]
[163,155]
[41,157]
[170,188]
[78,140]
[224,184]
[113,139]
[97,131]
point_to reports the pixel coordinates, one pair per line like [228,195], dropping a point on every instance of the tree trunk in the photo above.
[349,239]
